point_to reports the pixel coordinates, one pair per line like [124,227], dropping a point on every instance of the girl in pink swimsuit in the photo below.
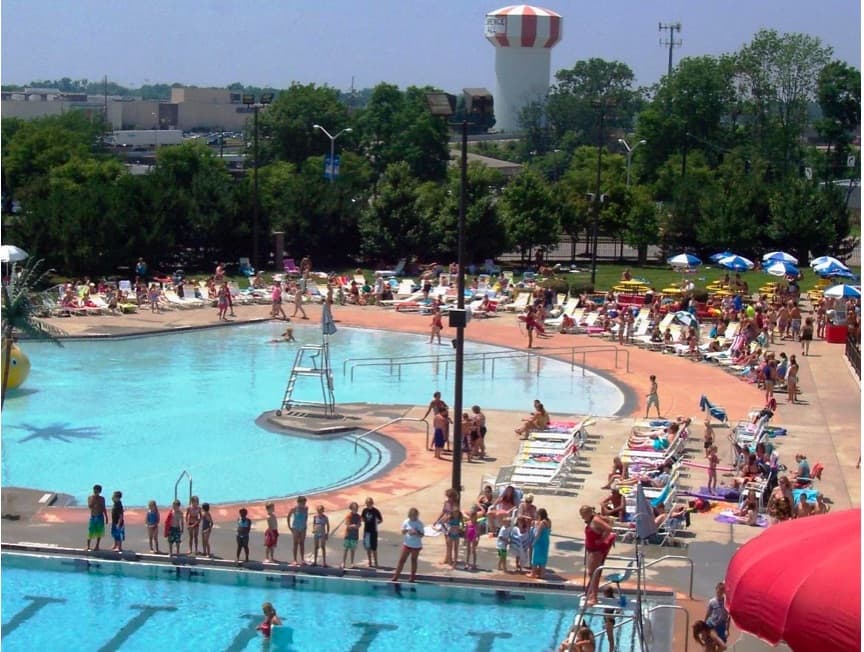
[472,538]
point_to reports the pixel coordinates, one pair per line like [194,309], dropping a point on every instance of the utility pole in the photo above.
[671,42]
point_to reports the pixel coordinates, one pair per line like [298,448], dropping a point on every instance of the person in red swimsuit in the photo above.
[599,539]
[270,620]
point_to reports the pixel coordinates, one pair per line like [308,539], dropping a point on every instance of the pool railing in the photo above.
[578,359]
[357,438]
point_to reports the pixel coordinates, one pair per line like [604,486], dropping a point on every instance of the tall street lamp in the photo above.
[442,104]
[602,105]
[249,101]
[332,168]
[630,151]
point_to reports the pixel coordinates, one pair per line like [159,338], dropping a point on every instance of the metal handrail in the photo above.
[686,620]
[482,356]
[177,484]
[390,423]
[651,563]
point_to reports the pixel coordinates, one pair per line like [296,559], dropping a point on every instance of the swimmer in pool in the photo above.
[271,619]
[287,336]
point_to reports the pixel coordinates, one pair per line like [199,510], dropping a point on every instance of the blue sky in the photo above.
[275,42]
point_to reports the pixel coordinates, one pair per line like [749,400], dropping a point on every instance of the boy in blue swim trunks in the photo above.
[98,516]
[244,527]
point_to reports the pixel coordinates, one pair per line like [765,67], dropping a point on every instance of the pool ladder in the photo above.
[183,474]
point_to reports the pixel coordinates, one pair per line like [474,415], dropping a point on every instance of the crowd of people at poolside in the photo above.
[520,529]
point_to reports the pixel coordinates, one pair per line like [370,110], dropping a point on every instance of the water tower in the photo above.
[523,37]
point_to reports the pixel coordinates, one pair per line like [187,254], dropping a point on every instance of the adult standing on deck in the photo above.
[435,405]
[98,516]
[599,539]
[653,398]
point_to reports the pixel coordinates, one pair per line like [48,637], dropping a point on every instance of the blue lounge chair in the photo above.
[714,411]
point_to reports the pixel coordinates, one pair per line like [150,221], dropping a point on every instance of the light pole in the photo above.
[249,101]
[155,130]
[601,104]
[441,104]
[347,130]
[630,151]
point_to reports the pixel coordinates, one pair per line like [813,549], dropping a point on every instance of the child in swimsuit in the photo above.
[118,524]
[271,534]
[153,526]
[472,538]
[352,533]
[206,529]
[193,523]
[320,532]
[244,527]
[454,531]
[270,619]
[174,527]
[297,518]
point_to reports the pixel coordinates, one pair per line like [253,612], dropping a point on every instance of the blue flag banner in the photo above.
[328,326]
[645,525]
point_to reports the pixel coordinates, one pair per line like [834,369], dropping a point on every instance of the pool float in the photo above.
[19,367]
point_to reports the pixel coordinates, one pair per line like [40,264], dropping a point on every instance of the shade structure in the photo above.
[822,260]
[736,263]
[684,260]
[843,291]
[685,318]
[12,254]
[835,268]
[780,255]
[800,582]
[781,268]
[720,254]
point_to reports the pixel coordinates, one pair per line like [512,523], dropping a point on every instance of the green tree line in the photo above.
[726,162]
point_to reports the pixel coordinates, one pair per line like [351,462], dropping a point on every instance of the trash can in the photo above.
[835,333]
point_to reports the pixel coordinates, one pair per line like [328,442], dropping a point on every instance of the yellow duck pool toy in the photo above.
[19,368]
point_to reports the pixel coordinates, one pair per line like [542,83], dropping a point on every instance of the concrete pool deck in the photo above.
[827,428]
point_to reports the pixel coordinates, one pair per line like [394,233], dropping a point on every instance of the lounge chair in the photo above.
[245,268]
[290,267]
[519,303]
[715,411]
[396,271]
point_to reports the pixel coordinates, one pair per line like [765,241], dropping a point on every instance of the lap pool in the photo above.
[52,603]
[133,413]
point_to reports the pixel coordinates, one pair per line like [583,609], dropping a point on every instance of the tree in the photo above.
[642,225]
[19,314]
[808,217]
[697,99]
[396,126]
[569,103]
[839,92]
[285,127]
[390,226]
[526,206]
[777,77]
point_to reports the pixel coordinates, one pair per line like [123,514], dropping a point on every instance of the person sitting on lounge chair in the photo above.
[538,420]
[614,505]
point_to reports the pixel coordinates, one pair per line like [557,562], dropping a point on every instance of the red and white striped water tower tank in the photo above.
[523,37]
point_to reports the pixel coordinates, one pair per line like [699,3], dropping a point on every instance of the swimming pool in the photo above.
[48,602]
[133,413]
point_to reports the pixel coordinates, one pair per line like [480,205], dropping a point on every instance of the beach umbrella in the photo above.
[685,318]
[12,254]
[800,582]
[721,254]
[833,269]
[781,268]
[822,260]
[843,291]
[736,263]
[780,255]
[684,260]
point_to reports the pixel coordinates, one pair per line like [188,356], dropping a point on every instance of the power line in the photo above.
[671,42]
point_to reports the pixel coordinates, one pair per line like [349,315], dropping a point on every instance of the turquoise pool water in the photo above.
[61,604]
[132,414]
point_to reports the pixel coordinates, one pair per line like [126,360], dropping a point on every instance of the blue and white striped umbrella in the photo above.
[824,260]
[835,268]
[781,268]
[843,292]
[684,260]
[736,263]
[722,254]
[780,255]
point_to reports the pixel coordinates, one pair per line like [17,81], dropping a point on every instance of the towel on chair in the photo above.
[714,410]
